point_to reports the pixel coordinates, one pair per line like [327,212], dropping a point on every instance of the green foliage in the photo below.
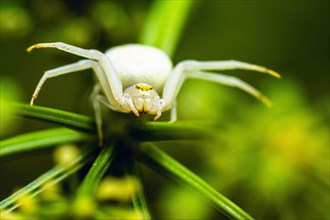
[84,201]
[36,140]
[165,23]
[273,162]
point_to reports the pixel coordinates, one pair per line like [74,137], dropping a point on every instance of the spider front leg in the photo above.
[192,69]
[110,76]
[103,85]
[74,67]
[70,68]
[89,54]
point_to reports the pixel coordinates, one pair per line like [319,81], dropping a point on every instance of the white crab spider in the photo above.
[141,79]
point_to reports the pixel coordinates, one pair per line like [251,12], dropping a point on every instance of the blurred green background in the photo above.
[274,163]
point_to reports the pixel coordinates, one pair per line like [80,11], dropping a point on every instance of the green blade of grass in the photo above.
[40,139]
[49,178]
[68,119]
[165,23]
[156,158]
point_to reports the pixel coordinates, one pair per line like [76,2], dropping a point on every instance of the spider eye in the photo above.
[143,88]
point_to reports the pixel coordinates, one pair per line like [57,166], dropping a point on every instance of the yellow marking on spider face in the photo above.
[143,88]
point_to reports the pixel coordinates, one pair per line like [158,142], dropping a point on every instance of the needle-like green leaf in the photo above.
[68,119]
[138,199]
[97,171]
[146,131]
[157,159]
[49,178]
[40,139]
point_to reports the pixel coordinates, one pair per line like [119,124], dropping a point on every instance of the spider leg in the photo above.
[90,54]
[173,85]
[227,65]
[97,90]
[95,96]
[173,113]
[97,100]
[74,67]
[110,73]
[230,81]
[193,69]
[113,79]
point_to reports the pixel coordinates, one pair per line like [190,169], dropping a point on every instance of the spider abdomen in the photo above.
[135,63]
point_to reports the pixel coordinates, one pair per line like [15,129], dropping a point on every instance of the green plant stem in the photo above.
[68,119]
[39,140]
[156,158]
[49,178]
[149,131]
[138,199]
[97,171]
[161,131]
